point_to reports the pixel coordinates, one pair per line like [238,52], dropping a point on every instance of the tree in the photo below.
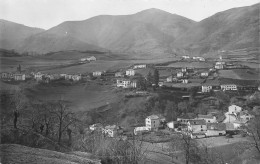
[141,83]
[156,77]
[254,132]
[64,117]
[149,80]
[170,110]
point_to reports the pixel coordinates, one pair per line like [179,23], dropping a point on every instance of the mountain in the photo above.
[11,34]
[149,31]
[235,28]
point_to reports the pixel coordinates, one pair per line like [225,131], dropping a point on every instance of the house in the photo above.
[206,88]
[140,66]
[229,118]
[198,58]
[185,81]
[208,118]
[197,126]
[185,57]
[204,74]
[97,126]
[173,124]
[179,74]
[184,70]
[228,87]
[234,109]
[197,135]
[4,75]
[183,119]
[154,121]
[97,73]
[112,130]
[38,76]
[19,77]
[126,83]
[245,116]
[119,74]
[215,129]
[169,79]
[140,130]
[83,59]
[130,72]
[76,77]
[68,77]
[219,66]
[92,58]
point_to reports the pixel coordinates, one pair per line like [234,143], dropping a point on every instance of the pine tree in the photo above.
[149,79]
[156,77]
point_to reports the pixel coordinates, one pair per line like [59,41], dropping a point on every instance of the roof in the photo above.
[210,82]
[205,116]
[216,126]
[197,122]
[111,127]
[156,117]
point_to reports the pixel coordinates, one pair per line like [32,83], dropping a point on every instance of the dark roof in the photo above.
[209,82]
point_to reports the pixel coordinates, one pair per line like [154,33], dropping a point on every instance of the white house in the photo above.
[208,118]
[92,58]
[76,77]
[97,126]
[119,74]
[19,77]
[140,66]
[185,57]
[197,126]
[130,72]
[185,81]
[184,70]
[97,73]
[179,74]
[228,87]
[169,79]
[154,121]
[206,88]
[111,130]
[126,83]
[234,109]
[138,130]
[215,129]
[204,74]
[38,76]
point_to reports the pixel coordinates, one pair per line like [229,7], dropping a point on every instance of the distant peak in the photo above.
[153,10]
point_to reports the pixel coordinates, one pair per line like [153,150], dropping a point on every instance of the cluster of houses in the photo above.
[18,75]
[92,58]
[200,126]
[109,130]
[194,58]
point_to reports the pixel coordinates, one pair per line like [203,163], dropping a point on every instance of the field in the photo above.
[245,74]
[191,64]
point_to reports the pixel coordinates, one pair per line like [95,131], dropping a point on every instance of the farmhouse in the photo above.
[140,130]
[92,58]
[185,81]
[19,77]
[140,66]
[184,70]
[38,76]
[154,122]
[197,126]
[208,118]
[215,129]
[76,77]
[179,74]
[111,130]
[204,74]
[126,83]
[119,74]
[173,124]
[234,109]
[130,72]
[97,73]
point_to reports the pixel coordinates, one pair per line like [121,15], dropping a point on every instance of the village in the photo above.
[184,79]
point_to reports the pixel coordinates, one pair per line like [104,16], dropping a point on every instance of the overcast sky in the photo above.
[48,13]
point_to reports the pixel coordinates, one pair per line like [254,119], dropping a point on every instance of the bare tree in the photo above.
[64,117]
[18,103]
[253,129]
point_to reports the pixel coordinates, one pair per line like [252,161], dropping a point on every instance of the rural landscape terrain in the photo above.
[151,87]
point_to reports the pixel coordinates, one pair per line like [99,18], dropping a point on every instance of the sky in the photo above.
[49,13]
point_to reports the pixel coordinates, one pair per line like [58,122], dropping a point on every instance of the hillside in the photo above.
[231,29]
[149,31]
[13,33]
[13,153]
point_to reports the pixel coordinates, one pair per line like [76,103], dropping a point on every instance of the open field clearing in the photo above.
[82,96]
[191,64]
[245,74]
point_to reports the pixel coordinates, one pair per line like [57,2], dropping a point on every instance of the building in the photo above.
[184,119]
[169,79]
[111,130]
[119,74]
[185,57]
[197,126]
[97,73]
[4,75]
[215,129]
[140,66]
[184,70]
[179,74]
[245,116]
[19,77]
[97,126]
[234,109]
[92,58]
[76,77]
[130,72]
[206,88]
[140,130]
[154,122]
[198,58]
[173,124]
[208,118]
[38,76]
[126,83]
[204,74]
[185,81]
[228,87]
